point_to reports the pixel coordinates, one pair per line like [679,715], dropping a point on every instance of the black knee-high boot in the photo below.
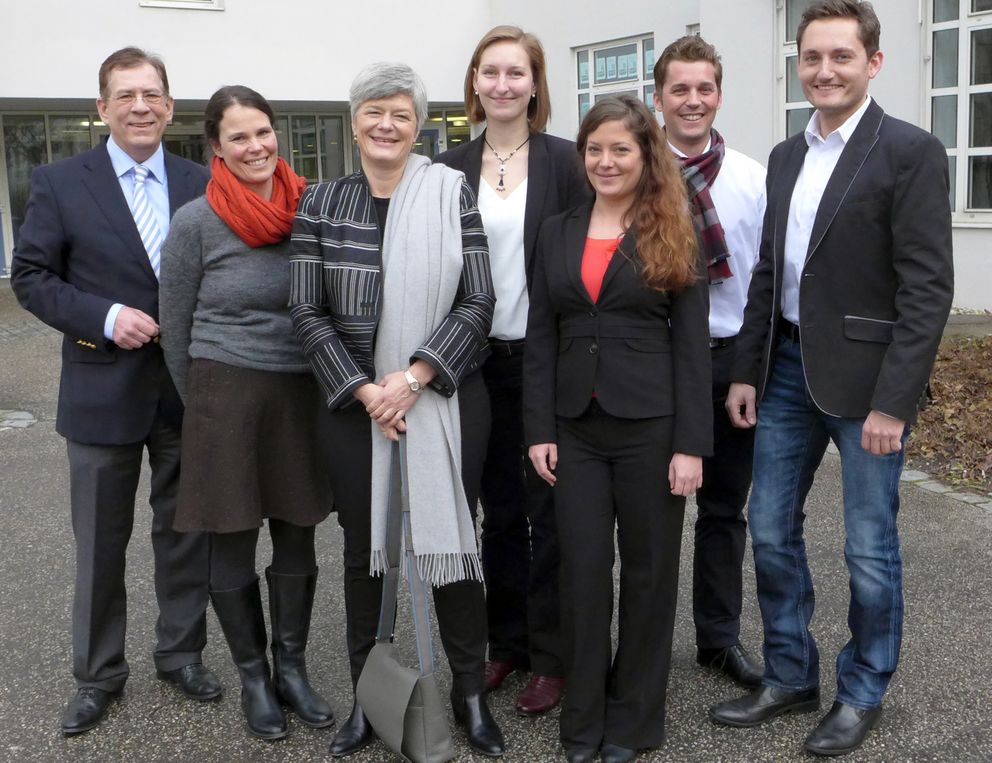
[240,613]
[290,604]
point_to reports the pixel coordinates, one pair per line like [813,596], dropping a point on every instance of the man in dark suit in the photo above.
[86,263]
[845,312]
[727,191]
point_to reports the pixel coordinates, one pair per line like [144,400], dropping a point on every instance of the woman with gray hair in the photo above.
[392,300]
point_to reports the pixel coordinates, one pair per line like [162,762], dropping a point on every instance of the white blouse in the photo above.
[503,218]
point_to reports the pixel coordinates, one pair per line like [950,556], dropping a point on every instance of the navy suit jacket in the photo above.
[555,181]
[78,253]
[878,279]
[645,353]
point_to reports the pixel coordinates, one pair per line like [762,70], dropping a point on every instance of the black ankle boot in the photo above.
[354,735]
[240,613]
[472,712]
[290,605]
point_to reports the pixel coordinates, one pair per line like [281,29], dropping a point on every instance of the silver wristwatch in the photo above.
[411,380]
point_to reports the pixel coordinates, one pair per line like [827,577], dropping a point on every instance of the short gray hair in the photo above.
[384,80]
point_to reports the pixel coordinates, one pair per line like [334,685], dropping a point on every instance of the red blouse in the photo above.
[595,259]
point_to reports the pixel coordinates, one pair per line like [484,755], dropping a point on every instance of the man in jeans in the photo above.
[845,312]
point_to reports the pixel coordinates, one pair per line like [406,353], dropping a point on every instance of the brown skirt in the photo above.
[250,450]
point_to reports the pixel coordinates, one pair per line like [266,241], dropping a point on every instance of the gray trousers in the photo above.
[103,481]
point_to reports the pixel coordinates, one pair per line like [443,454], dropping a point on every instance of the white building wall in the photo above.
[309,50]
[306,50]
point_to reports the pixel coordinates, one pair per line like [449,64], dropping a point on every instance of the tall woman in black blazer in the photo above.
[521,176]
[617,416]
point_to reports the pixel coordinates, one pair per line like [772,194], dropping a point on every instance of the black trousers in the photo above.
[103,480]
[461,606]
[613,475]
[721,529]
[519,536]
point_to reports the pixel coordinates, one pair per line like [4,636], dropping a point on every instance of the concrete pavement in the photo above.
[939,707]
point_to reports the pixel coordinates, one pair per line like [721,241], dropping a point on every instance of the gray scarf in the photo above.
[421,269]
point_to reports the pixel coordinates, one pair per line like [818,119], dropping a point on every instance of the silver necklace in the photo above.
[501,170]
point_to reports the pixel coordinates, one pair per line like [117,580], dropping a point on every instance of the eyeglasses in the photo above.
[150,98]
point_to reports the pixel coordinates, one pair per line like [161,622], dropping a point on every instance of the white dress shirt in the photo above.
[157,190]
[738,195]
[503,219]
[818,166]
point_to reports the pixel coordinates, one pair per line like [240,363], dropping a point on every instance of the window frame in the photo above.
[643,84]
[966,24]
[787,53]
[194,5]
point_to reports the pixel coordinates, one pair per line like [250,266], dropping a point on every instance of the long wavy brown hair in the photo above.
[666,239]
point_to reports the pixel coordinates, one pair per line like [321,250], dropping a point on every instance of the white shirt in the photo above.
[503,219]
[818,166]
[157,190]
[738,195]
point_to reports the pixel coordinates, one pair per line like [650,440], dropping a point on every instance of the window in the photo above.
[313,145]
[201,5]
[959,88]
[30,140]
[797,109]
[614,68]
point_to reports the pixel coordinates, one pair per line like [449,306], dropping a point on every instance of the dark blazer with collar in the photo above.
[555,181]
[878,281]
[78,253]
[645,353]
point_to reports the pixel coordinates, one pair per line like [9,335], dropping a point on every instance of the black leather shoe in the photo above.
[580,754]
[842,730]
[472,712]
[86,709]
[355,734]
[194,680]
[732,661]
[764,704]
[614,753]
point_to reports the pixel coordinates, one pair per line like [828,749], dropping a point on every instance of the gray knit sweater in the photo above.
[222,300]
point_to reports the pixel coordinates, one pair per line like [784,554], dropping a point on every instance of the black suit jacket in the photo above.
[645,353]
[555,181]
[78,253]
[878,280]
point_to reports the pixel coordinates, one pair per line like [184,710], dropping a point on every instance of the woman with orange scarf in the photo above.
[249,449]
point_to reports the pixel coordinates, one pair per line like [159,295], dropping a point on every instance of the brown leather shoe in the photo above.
[540,695]
[497,671]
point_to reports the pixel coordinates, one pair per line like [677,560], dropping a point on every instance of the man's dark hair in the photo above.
[869,28]
[131,58]
[690,48]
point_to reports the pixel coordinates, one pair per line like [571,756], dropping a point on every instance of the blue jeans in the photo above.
[790,440]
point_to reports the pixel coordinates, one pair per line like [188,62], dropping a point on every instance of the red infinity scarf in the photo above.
[255,220]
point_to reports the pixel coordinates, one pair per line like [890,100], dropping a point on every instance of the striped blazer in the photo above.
[336,292]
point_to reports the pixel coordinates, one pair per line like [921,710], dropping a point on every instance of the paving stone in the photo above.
[934,487]
[911,475]
[968,497]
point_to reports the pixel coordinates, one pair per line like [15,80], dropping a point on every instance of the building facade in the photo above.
[302,55]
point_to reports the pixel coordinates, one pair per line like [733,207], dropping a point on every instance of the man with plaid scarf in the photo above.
[727,191]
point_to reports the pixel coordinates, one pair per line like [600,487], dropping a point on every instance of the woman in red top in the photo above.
[617,416]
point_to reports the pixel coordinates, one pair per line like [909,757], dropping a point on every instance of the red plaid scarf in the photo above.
[699,173]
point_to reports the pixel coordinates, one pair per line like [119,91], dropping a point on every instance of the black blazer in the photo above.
[878,280]
[78,253]
[556,181]
[645,353]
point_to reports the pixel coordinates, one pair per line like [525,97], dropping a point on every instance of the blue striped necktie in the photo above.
[144,218]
